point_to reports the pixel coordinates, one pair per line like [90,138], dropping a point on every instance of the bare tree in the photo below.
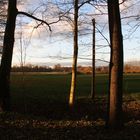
[75,55]
[116,66]
[71,16]
[93,63]
[7,57]
[75,23]
[8,52]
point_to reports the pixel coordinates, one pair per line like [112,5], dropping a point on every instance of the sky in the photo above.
[42,47]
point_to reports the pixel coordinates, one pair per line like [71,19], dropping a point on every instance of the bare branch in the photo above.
[33,17]
[131,16]
[102,60]
[123,1]
[103,36]
[88,1]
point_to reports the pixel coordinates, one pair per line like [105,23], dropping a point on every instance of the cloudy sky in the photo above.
[40,46]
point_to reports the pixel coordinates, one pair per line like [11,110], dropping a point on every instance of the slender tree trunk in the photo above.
[93,63]
[116,66]
[75,55]
[7,57]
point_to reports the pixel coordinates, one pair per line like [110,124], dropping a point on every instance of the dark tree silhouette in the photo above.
[93,63]
[8,52]
[116,66]
[7,56]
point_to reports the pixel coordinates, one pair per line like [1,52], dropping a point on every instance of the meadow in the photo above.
[56,86]
[40,93]
[40,108]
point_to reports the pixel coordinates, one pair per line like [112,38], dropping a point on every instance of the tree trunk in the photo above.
[7,57]
[93,63]
[75,55]
[116,66]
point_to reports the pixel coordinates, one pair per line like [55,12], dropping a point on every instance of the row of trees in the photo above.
[128,68]
[116,55]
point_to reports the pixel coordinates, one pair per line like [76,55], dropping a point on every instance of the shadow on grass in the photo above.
[84,108]
[56,110]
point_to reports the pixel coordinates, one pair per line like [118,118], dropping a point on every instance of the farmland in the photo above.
[39,102]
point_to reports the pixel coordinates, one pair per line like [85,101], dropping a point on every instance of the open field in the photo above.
[57,86]
[39,102]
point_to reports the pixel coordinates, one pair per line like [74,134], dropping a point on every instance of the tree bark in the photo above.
[75,55]
[93,63]
[7,56]
[115,119]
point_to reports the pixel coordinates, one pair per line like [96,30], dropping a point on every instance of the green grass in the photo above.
[38,90]
[40,109]
[41,87]
[58,86]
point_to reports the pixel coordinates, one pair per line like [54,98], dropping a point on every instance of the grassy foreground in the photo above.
[39,102]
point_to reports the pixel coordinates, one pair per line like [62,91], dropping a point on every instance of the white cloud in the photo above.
[40,36]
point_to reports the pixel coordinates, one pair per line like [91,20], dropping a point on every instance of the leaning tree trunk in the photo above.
[116,66]
[75,55]
[7,57]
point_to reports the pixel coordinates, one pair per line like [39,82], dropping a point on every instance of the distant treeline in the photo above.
[80,69]
[58,68]
[36,68]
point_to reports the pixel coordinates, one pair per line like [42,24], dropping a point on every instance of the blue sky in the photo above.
[42,47]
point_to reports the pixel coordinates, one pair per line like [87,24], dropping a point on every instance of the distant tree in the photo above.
[115,119]
[57,67]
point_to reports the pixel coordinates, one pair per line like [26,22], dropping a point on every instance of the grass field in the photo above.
[40,109]
[35,90]
[57,86]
